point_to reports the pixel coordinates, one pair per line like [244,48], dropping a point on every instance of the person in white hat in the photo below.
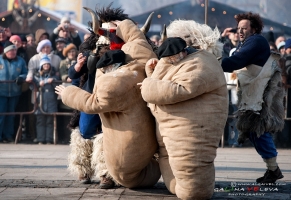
[44,47]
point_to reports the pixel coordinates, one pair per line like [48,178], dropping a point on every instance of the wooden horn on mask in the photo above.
[95,21]
[164,34]
[147,25]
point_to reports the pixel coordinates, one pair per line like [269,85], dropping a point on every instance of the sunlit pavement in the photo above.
[40,172]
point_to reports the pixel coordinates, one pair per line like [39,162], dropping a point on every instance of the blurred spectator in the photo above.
[5,33]
[279,39]
[230,38]
[288,60]
[270,36]
[70,54]
[12,68]
[23,41]
[43,48]
[30,40]
[60,45]
[41,34]
[67,31]
[281,48]
[155,39]
[31,46]
[16,40]
[273,47]
[87,35]
[47,100]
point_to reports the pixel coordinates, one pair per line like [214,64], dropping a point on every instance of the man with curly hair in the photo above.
[260,92]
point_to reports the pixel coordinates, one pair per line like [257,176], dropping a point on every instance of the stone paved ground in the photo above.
[40,172]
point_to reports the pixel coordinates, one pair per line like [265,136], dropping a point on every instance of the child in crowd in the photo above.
[47,100]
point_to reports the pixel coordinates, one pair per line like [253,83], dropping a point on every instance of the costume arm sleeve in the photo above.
[163,92]
[109,94]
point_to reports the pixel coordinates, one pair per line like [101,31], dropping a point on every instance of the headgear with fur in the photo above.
[43,43]
[68,48]
[199,36]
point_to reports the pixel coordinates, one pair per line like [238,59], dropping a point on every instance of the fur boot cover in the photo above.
[260,99]
[79,159]
[98,161]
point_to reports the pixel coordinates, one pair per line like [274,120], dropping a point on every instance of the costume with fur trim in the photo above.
[129,140]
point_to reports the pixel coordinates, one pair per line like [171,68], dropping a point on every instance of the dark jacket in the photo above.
[49,97]
[75,76]
[254,50]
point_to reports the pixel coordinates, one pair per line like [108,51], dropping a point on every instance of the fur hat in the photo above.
[111,57]
[8,46]
[288,43]
[43,43]
[45,59]
[68,48]
[171,46]
[15,37]
[281,45]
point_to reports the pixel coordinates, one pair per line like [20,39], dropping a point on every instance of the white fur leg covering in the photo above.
[98,161]
[79,159]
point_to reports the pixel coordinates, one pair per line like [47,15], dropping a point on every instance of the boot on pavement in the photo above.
[270,176]
[106,183]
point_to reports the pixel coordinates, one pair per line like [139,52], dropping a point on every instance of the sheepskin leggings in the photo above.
[79,159]
[86,158]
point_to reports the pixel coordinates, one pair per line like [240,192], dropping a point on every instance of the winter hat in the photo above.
[61,39]
[111,57]
[15,37]
[288,43]
[8,46]
[68,48]
[43,43]
[280,45]
[65,20]
[45,59]
[39,33]
[171,46]
[23,38]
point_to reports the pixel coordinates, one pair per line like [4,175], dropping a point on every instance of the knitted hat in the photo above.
[111,57]
[43,43]
[280,45]
[288,43]
[68,48]
[15,37]
[171,46]
[8,46]
[45,59]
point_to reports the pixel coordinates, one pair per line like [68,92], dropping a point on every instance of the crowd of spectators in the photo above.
[45,60]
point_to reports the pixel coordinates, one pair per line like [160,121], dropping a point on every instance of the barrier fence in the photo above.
[55,114]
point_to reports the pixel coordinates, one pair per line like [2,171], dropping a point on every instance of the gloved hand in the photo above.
[19,80]
[91,63]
